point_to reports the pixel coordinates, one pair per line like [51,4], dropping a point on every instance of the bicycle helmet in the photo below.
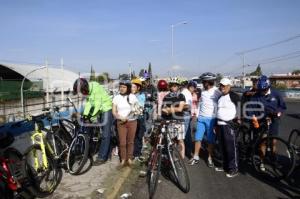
[81,85]
[208,76]
[263,83]
[162,85]
[146,76]
[192,83]
[136,81]
[174,80]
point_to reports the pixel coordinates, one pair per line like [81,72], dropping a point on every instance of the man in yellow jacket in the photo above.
[98,106]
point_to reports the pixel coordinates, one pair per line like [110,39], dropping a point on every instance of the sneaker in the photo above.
[232,174]
[99,162]
[210,163]
[219,169]
[193,162]
[262,167]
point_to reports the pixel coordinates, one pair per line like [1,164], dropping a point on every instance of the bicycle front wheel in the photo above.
[78,154]
[180,170]
[153,171]
[273,156]
[43,178]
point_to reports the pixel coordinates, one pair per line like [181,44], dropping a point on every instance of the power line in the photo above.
[269,45]
[292,54]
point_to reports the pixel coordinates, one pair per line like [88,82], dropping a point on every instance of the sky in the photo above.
[111,35]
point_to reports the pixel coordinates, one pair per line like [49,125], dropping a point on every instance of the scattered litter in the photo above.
[101,191]
[125,195]
[159,181]
[143,174]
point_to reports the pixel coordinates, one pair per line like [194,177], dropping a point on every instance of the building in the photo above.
[289,80]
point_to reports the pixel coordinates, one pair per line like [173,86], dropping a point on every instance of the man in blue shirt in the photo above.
[271,105]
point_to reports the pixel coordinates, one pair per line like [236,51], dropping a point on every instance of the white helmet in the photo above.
[174,80]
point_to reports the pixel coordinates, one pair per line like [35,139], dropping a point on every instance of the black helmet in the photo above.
[126,83]
[81,85]
[208,77]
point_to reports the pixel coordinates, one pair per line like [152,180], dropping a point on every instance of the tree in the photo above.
[92,75]
[100,79]
[257,72]
[219,77]
[141,74]
[150,70]
[296,72]
[123,76]
[106,76]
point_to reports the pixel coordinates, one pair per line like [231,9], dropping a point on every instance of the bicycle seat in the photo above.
[6,139]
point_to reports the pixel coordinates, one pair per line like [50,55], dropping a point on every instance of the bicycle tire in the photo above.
[279,164]
[294,141]
[179,166]
[153,171]
[35,176]
[68,126]
[79,148]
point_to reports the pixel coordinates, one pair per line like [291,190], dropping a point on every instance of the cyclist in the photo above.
[227,112]
[138,142]
[271,104]
[151,94]
[126,122]
[172,109]
[206,117]
[98,106]
[188,92]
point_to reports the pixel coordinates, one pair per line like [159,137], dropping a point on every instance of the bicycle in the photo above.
[42,166]
[268,154]
[294,142]
[84,144]
[164,150]
[13,173]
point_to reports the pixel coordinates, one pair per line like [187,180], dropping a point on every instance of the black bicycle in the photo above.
[85,144]
[165,155]
[268,154]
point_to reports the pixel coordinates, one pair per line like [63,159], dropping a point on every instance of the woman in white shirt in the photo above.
[126,121]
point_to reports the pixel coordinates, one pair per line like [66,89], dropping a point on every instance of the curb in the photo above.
[119,183]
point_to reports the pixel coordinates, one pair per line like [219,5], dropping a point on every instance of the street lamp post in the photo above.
[172,34]
[22,99]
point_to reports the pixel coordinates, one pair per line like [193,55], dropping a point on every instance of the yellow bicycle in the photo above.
[40,158]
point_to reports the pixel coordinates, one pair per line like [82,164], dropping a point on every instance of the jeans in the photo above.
[106,120]
[138,141]
[188,136]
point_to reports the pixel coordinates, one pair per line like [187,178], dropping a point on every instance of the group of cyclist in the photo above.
[200,115]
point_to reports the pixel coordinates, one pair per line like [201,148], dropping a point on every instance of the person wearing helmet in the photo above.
[206,117]
[188,91]
[98,105]
[151,94]
[126,122]
[138,141]
[172,109]
[271,106]
[163,90]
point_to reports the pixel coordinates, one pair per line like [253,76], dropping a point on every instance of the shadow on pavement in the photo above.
[290,187]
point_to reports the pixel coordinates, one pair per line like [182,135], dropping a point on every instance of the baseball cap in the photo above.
[226,82]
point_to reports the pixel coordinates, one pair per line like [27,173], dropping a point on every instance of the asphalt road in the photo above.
[208,184]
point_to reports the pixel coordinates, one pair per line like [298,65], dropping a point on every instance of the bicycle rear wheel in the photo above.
[277,160]
[43,180]
[180,170]
[153,171]
[78,154]
[294,141]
